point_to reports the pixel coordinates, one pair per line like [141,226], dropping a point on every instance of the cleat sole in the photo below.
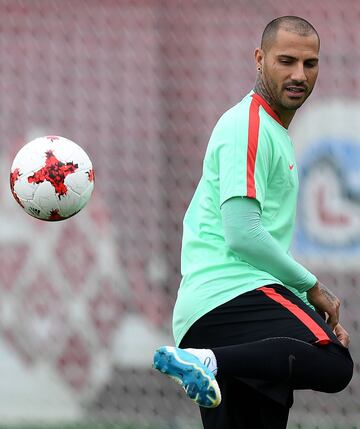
[185,369]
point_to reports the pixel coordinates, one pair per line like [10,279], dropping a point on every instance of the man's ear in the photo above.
[259,58]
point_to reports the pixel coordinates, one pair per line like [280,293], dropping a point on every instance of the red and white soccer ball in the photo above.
[52,178]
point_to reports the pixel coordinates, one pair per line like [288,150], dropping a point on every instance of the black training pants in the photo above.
[267,343]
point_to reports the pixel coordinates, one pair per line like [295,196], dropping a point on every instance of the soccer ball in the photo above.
[52,178]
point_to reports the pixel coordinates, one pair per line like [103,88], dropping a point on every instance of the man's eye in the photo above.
[285,61]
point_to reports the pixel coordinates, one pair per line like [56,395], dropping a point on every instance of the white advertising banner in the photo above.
[327,140]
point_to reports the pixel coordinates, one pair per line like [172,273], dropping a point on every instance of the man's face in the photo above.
[290,68]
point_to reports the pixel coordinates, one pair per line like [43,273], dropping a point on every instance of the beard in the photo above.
[281,99]
[291,104]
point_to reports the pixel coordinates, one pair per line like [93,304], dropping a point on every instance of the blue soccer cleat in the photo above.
[193,376]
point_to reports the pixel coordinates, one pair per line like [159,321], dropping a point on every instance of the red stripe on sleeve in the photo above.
[253,137]
[267,108]
[320,334]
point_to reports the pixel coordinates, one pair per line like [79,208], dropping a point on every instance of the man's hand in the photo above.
[325,302]
[342,335]
[328,305]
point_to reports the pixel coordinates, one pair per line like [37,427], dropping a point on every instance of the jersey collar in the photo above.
[266,107]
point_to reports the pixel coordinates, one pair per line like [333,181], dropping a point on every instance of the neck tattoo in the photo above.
[261,90]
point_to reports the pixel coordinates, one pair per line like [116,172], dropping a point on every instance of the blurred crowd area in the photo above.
[139,85]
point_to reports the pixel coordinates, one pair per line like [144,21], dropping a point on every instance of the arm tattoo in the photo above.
[328,295]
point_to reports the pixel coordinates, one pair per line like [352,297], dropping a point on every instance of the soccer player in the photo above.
[252,324]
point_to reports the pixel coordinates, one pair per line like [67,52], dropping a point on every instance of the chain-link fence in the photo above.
[139,85]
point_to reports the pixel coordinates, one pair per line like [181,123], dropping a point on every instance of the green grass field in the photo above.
[133,426]
[80,426]
[99,425]
[87,426]
[92,425]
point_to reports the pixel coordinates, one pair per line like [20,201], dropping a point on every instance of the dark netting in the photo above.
[139,85]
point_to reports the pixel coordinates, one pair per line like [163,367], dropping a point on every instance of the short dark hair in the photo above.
[294,24]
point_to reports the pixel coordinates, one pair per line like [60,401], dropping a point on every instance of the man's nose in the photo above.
[298,73]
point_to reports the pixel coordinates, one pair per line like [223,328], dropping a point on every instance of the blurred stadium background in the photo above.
[140,84]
